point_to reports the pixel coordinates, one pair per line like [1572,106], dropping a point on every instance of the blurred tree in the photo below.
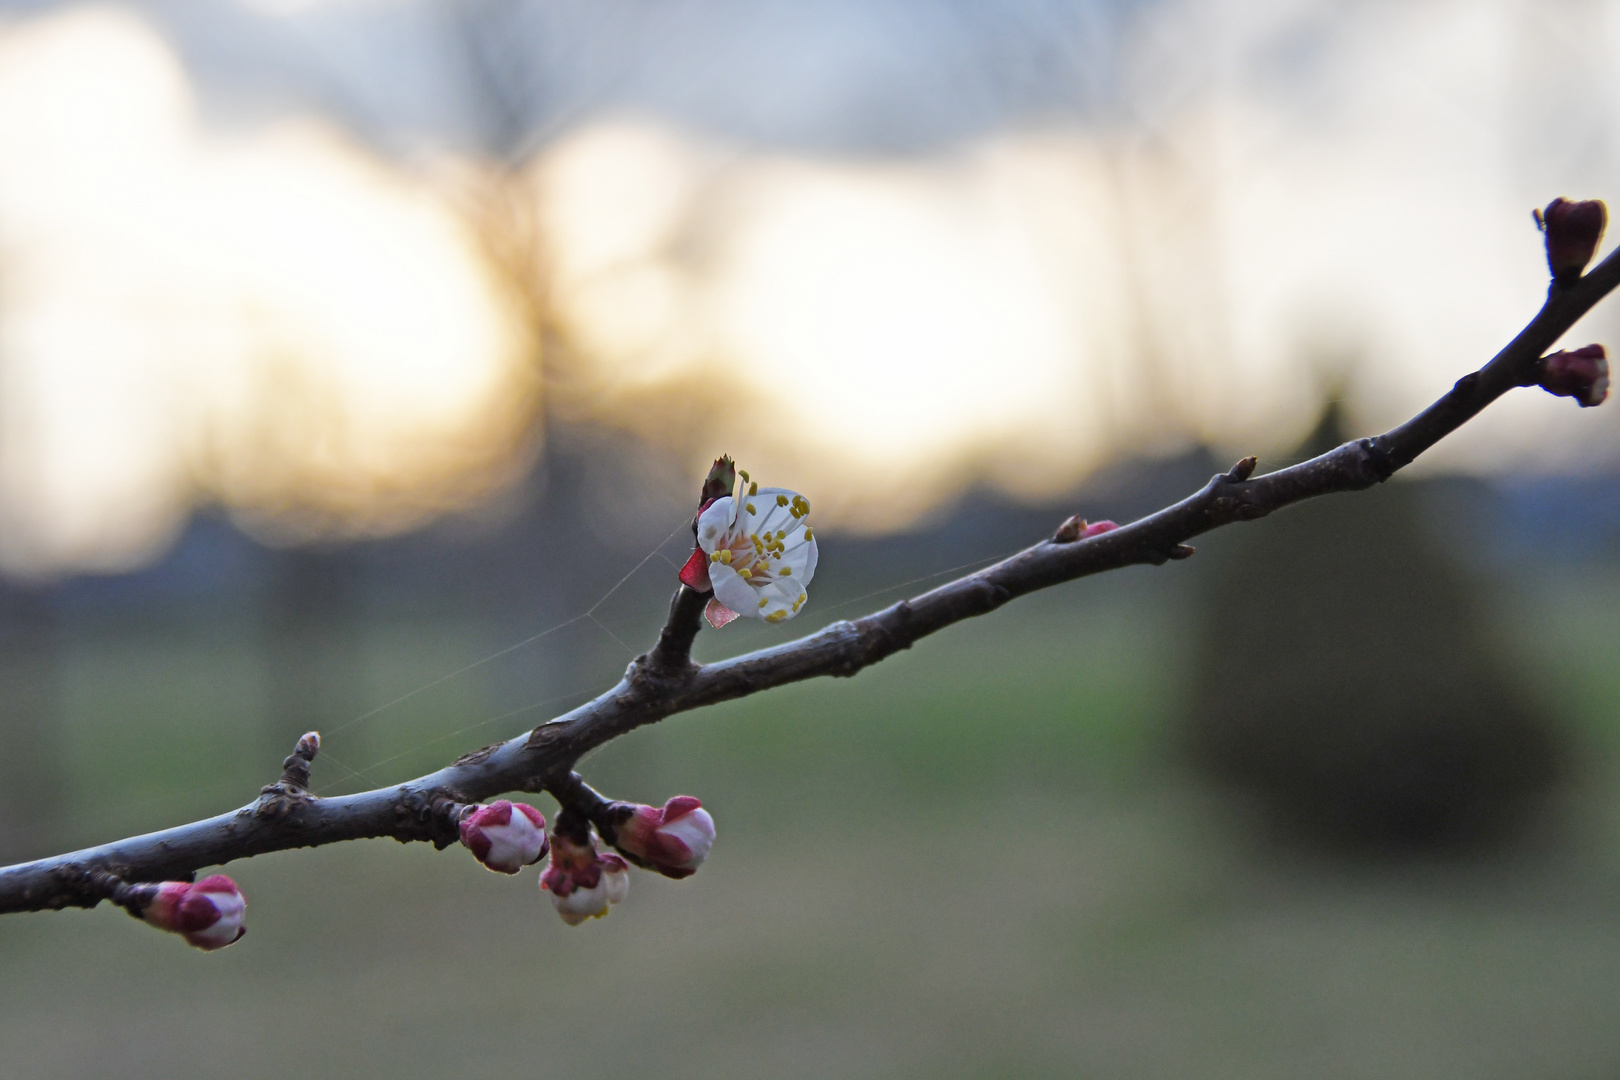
[1344,680]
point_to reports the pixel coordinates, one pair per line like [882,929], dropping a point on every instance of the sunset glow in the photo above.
[279,321]
[285,323]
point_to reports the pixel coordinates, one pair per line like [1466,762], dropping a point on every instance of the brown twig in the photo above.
[666,681]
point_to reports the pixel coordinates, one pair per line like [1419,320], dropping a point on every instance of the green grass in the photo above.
[967,862]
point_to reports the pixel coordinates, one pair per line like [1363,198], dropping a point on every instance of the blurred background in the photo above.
[359,361]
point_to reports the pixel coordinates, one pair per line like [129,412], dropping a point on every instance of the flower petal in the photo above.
[779,601]
[582,904]
[715,523]
[800,556]
[772,509]
[616,877]
[731,590]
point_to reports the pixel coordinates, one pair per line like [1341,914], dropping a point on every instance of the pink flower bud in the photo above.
[505,836]
[1573,230]
[673,841]
[1582,374]
[1075,528]
[582,881]
[208,914]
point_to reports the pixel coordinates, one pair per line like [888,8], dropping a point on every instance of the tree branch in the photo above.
[666,681]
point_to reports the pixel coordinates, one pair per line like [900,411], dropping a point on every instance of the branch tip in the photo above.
[1573,230]
[1242,470]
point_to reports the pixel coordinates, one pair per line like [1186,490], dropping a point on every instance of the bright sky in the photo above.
[1318,202]
[278,319]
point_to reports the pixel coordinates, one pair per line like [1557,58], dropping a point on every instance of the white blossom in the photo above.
[762,553]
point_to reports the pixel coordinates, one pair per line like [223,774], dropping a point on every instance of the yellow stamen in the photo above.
[751,509]
[714,556]
[776,616]
[781,500]
[744,474]
[744,573]
[808,535]
[753,489]
[763,601]
[781,534]
[786,571]
[725,555]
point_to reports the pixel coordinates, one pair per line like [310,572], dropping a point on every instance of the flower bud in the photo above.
[208,914]
[720,481]
[505,836]
[673,840]
[1582,374]
[1076,528]
[582,881]
[1573,230]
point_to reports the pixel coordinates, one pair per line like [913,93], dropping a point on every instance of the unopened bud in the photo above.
[505,836]
[1573,230]
[673,840]
[718,484]
[582,881]
[208,914]
[1582,374]
[720,481]
[1076,528]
